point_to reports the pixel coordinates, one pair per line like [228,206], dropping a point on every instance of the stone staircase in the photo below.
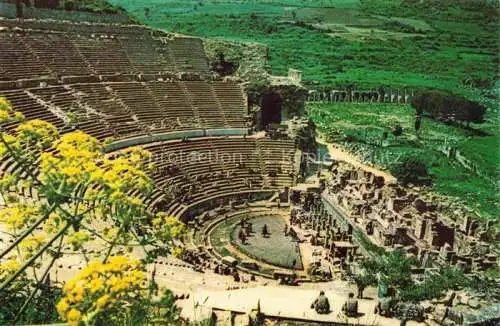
[265,177]
[196,113]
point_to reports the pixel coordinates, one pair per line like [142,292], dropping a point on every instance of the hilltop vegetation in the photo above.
[367,42]
[95,6]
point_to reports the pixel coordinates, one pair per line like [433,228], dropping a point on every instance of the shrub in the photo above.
[350,138]
[397,130]
[411,170]
[444,106]
[65,163]
[435,285]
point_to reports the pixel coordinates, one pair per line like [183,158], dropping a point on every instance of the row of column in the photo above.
[333,96]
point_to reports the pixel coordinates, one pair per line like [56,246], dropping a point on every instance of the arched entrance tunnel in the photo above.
[271,109]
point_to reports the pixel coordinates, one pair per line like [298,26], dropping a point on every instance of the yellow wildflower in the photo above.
[7,181]
[18,116]
[157,221]
[77,294]
[52,223]
[62,306]
[74,316]
[177,252]
[18,217]
[5,109]
[4,115]
[8,267]
[77,239]
[4,103]
[102,301]
[176,227]
[38,131]
[95,285]
[32,243]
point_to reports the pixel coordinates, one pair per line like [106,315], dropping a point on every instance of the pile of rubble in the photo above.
[395,216]
[460,308]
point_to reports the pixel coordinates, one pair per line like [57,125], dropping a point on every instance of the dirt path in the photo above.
[344,156]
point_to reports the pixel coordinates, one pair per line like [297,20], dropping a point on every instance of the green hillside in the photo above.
[367,43]
[360,128]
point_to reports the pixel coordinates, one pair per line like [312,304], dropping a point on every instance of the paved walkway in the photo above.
[284,302]
[339,154]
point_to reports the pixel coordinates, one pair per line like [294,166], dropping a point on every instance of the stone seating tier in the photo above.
[37,50]
[127,109]
[188,171]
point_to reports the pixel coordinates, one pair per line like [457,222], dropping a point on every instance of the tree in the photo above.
[393,269]
[448,107]
[242,237]
[397,130]
[363,275]
[435,285]
[474,113]
[418,122]
[396,269]
[223,67]
[84,196]
[411,170]
[349,88]
[486,283]
[20,5]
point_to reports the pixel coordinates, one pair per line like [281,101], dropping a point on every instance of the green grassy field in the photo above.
[360,127]
[348,42]
[276,249]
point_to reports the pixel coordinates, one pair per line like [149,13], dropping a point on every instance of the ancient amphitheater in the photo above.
[220,168]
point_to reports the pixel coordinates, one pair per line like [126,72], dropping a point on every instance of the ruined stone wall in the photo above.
[304,131]
[250,58]
[409,217]
[293,101]
[454,154]
[236,198]
[293,98]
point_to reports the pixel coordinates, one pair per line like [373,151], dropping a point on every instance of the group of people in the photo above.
[322,305]
[199,260]
[246,230]
[227,270]
[202,263]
